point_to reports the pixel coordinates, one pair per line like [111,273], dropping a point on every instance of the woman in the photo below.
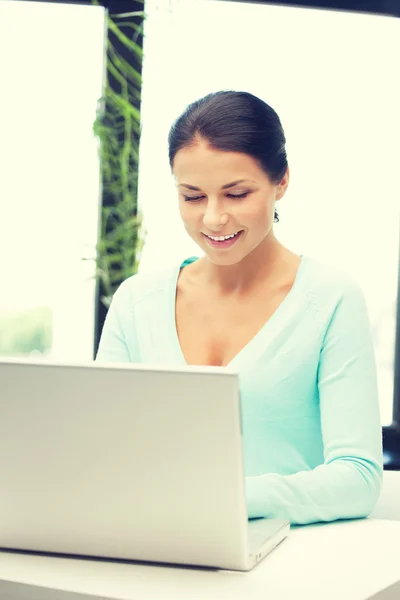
[296,330]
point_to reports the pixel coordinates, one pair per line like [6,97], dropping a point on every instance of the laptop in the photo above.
[392,592]
[127,461]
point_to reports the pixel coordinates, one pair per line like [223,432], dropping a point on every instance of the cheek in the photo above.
[189,214]
[183,209]
[257,214]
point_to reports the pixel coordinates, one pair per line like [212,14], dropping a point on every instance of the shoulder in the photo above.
[333,293]
[329,281]
[142,286]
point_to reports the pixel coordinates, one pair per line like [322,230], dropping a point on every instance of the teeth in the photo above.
[222,238]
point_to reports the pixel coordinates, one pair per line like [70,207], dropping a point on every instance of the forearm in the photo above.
[342,489]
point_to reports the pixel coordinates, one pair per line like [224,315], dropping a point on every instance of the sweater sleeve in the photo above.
[118,341]
[348,484]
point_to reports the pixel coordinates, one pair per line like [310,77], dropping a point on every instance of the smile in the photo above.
[222,238]
[222,242]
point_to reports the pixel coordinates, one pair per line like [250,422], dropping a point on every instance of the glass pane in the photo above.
[338,99]
[51,69]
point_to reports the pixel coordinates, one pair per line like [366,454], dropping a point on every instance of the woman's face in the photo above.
[225,194]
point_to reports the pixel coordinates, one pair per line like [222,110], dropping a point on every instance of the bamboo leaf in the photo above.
[117,127]
[133,46]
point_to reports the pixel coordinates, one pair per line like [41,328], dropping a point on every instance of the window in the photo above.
[338,100]
[51,70]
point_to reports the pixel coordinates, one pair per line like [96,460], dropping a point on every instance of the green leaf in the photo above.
[117,128]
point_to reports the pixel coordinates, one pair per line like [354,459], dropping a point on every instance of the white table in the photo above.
[338,561]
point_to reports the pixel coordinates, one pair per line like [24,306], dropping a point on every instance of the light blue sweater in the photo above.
[311,423]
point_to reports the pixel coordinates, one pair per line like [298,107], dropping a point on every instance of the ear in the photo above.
[283,185]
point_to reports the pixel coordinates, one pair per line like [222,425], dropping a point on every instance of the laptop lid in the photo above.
[124,461]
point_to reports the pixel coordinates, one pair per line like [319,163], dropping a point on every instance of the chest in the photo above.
[214,333]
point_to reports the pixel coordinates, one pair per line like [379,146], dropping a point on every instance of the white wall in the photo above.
[51,73]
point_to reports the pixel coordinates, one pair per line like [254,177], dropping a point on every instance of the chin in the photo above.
[224,261]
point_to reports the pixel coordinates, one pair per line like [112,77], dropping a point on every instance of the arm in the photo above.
[347,485]
[118,341]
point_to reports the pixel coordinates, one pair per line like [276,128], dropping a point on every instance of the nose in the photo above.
[214,217]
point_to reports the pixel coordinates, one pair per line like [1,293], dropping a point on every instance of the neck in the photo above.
[256,268]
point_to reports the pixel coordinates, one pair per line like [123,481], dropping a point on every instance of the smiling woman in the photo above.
[294,328]
[230,146]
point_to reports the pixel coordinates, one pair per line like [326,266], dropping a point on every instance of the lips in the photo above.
[223,243]
[228,236]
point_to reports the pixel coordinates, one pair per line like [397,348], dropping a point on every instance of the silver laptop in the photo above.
[129,462]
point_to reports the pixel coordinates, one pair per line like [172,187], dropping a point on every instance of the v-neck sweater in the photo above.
[312,437]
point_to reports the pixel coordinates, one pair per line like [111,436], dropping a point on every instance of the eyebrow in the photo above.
[224,187]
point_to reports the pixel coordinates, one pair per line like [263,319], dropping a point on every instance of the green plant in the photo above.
[25,332]
[117,128]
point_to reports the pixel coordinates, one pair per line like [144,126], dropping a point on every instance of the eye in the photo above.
[238,196]
[193,198]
